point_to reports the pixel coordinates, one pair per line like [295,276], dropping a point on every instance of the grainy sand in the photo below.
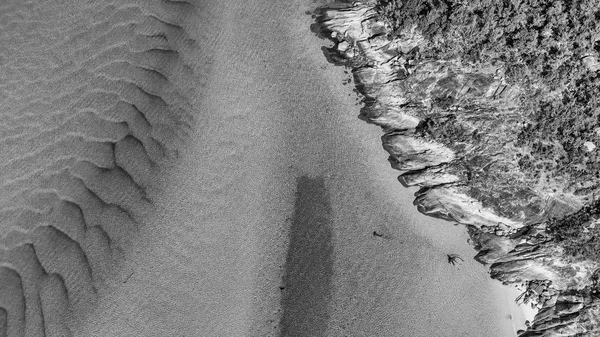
[198,170]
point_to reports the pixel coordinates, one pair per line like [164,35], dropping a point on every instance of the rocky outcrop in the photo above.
[450,127]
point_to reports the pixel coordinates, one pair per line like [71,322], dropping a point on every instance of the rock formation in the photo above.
[451,127]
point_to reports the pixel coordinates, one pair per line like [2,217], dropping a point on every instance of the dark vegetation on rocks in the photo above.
[545,47]
[579,233]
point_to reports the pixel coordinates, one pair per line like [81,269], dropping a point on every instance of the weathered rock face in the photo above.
[451,128]
[447,123]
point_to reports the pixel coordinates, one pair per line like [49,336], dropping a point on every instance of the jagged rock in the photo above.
[591,62]
[430,176]
[408,154]
[451,203]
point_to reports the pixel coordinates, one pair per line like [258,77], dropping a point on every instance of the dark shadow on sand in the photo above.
[309,263]
[3,322]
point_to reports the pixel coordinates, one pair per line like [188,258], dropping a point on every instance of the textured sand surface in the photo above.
[158,160]
[95,96]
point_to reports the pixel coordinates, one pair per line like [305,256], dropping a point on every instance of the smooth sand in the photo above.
[263,225]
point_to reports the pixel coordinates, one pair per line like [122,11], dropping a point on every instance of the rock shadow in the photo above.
[309,262]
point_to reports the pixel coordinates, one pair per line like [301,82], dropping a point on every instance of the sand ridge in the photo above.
[95,100]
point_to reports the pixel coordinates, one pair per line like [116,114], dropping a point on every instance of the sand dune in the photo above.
[195,168]
[95,98]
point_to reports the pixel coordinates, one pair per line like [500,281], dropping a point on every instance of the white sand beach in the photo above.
[263,224]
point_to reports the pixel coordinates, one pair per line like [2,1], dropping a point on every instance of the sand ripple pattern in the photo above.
[95,98]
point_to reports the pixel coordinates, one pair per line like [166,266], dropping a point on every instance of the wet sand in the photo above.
[263,223]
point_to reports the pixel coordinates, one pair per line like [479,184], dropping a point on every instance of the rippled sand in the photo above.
[197,169]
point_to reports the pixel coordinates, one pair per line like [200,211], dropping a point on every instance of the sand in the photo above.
[239,201]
